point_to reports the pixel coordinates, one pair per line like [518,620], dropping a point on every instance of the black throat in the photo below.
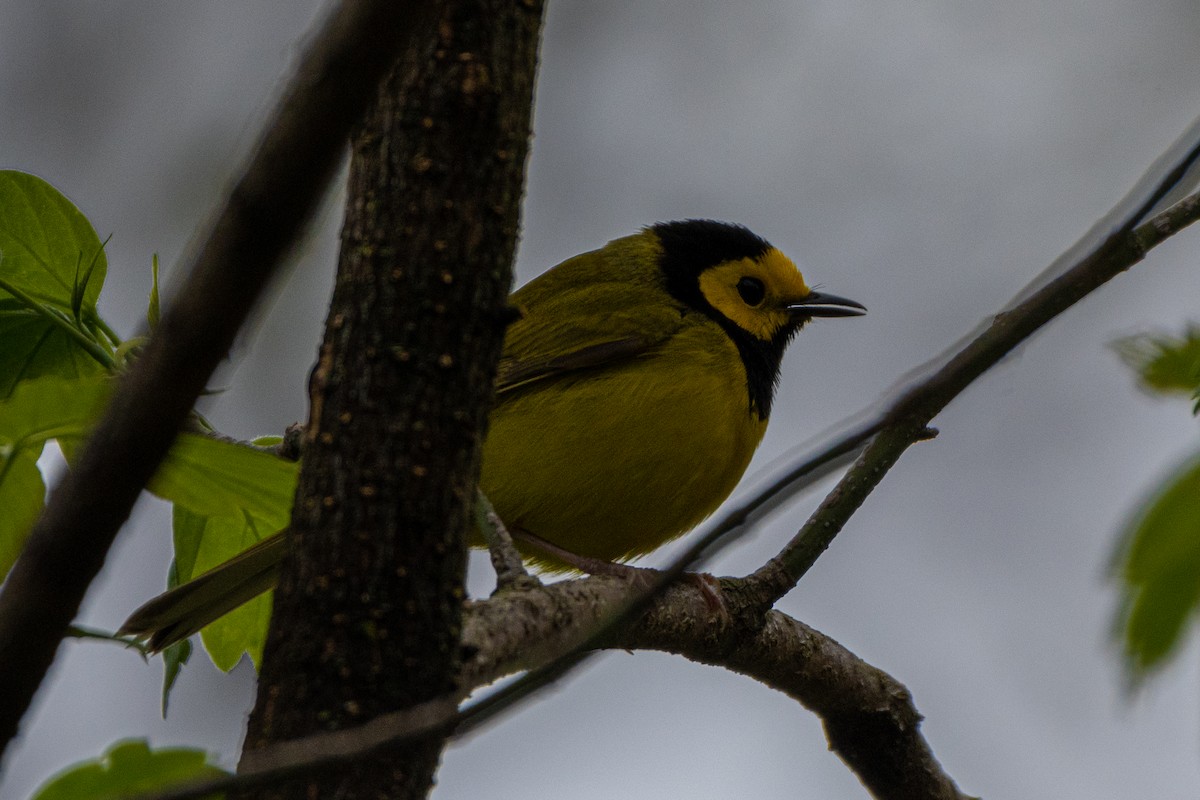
[692,246]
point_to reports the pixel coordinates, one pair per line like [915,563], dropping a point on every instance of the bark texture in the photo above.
[269,204]
[367,616]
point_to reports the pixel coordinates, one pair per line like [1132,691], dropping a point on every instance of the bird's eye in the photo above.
[751,290]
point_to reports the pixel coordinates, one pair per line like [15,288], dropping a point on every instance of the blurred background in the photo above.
[926,158]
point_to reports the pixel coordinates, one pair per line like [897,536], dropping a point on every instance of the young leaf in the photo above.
[43,236]
[35,348]
[51,408]
[214,477]
[202,543]
[22,494]
[175,658]
[79,289]
[36,412]
[129,768]
[152,310]
[1158,566]
[187,530]
[44,241]
[228,496]
[1165,364]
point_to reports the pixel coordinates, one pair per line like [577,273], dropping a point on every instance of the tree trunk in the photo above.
[367,613]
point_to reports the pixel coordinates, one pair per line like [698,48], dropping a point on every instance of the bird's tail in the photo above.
[175,615]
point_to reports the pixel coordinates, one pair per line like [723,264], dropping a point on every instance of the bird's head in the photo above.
[749,287]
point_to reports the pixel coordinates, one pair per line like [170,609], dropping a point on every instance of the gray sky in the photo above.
[925,158]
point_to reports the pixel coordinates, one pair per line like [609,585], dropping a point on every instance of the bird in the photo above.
[634,386]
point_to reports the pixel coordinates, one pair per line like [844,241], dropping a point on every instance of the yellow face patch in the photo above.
[781,282]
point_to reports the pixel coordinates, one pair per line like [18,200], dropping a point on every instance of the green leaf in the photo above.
[51,408]
[44,238]
[1165,364]
[34,347]
[176,656]
[228,496]
[129,767]
[215,477]
[82,280]
[187,529]
[202,543]
[53,266]
[36,412]
[1158,566]
[152,310]
[22,494]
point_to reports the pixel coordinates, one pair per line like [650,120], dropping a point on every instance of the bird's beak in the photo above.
[819,304]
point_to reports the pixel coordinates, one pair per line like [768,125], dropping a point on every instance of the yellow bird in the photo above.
[630,397]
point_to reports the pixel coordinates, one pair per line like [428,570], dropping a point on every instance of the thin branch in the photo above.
[1168,223]
[868,716]
[903,425]
[601,619]
[898,428]
[506,558]
[1157,182]
[578,618]
[267,208]
[313,754]
[128,642]
[905,421]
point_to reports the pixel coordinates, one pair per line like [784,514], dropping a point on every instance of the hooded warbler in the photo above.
[631,393]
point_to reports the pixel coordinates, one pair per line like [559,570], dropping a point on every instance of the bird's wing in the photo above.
[514,373]
[567,329]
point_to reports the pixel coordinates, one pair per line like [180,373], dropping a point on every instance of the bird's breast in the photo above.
[613,462]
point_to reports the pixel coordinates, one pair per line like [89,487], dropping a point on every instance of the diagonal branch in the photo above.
[368,608]
[271,202]
[905,421]
[869,717]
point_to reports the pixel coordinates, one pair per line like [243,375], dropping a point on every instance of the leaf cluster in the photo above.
[57,369]
[1157,564]
[58,363]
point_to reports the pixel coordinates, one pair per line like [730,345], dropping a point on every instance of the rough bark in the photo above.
[269,204]
[368,611]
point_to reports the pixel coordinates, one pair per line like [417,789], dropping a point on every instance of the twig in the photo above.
[870,717]
[506,559]
[310,755]
[1168,223]
[605,615]
[905,421]
[291,446]
[882,744]
[271,202]
[903,425]
[128,642]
